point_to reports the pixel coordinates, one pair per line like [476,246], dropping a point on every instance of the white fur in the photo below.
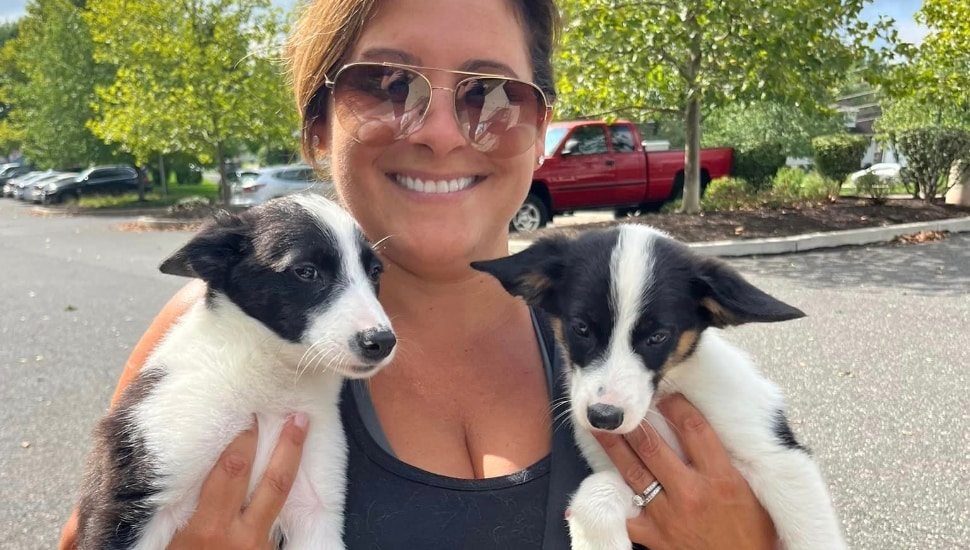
[220,366]
[725,386]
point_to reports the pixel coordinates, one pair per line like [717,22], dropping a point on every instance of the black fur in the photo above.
[571,279]
[114,505]
[785,435]
[251,258]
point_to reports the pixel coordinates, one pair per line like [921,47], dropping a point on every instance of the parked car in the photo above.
[12,170]
[277,181]
[45,187]
[887,172]
[590,165]
[98,180]
[20,186]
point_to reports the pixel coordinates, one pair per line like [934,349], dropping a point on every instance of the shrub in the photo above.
[671,206]
[728,194]
[192,207]
[871,186]
[816,187]
[838,155]
[930,153]
[759,164]
[788,184]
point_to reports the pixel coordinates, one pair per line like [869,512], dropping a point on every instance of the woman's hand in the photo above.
[704,505]
[223,519]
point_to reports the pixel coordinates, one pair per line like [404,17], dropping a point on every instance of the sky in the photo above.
[900,10]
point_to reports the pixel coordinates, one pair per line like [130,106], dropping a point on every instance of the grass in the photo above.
[153,199]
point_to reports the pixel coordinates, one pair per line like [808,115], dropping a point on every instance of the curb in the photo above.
[46,211]
[148,222]
[809,241]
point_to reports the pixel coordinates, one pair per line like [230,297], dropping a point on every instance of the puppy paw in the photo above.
[598,513]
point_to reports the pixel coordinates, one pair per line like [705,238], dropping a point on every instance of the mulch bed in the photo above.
[845,213]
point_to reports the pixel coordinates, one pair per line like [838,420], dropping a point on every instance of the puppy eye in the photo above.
[658,337]
[581,328]
[306,272]
[375,271]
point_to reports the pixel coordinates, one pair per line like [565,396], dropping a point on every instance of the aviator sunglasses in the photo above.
[380,103]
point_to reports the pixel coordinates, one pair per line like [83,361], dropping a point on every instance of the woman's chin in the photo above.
[434,249]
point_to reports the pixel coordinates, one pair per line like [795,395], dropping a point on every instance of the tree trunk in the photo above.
[223,180]
[162,176]
[692,157]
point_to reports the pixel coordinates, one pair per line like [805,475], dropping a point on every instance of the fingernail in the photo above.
[300,420]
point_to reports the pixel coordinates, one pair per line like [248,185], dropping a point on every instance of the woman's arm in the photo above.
[170,313]
[219,521]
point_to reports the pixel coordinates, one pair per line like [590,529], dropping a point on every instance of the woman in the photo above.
[452,446]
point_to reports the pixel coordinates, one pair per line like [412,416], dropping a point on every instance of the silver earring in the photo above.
[539,161]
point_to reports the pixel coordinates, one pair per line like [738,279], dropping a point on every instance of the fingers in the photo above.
[274,487]
[627,462]
[701,445]
[224,491]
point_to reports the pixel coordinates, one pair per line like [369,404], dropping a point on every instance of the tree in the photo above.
[688,57]
[746,126]
[195,76]
[52,87]
[933,86]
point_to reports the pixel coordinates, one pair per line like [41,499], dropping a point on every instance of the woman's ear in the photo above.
[320,138]
[540,148]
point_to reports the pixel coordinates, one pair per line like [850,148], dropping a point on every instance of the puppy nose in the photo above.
[376,344]
[604,417]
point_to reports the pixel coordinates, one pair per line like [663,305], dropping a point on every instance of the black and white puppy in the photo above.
[637,314]
[291,310]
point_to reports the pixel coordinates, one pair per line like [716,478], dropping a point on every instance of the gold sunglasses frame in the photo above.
[546,112]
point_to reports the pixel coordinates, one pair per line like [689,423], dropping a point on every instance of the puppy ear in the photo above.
[211,253]
[729,300]
[533,274]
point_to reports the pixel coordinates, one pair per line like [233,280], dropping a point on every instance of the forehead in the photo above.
[634,266]
[448,34]
[299,227]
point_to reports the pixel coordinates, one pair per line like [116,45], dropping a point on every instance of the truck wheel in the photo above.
[677,192]
[532,215]
[621,213]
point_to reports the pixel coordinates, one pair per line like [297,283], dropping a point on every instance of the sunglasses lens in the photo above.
[380,104]
[499,117]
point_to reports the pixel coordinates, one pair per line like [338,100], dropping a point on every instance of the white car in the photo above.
[887,172]
[278,181]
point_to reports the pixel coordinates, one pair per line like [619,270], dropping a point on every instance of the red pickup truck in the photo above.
[591,165]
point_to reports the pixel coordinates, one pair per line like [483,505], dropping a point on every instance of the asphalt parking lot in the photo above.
[876,375]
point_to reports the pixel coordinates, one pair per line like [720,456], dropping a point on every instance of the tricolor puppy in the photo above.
[291,310]
[637,314]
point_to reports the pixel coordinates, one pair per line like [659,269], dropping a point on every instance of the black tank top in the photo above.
[392,505]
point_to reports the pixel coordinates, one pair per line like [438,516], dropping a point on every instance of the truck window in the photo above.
[553,139]
[622,137]
[590,140]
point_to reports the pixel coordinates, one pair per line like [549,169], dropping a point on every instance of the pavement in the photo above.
[875,376]
[727,248]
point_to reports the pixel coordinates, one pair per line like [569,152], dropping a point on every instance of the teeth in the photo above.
[443,186]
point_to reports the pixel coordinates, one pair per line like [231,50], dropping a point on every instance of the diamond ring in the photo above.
[648,494]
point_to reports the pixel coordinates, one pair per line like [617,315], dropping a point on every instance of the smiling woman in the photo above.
[432,116]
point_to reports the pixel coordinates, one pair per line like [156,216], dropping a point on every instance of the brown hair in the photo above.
[328,29]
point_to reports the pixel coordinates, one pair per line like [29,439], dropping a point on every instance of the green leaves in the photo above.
[143,78]
[933,85]
[639,58]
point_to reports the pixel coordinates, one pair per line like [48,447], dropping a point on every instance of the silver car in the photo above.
[278,181]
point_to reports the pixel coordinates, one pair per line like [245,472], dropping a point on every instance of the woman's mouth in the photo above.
[442,186]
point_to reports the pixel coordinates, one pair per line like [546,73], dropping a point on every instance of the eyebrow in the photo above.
[488,66]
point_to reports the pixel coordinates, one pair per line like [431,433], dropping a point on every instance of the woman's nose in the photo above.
[440,131]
